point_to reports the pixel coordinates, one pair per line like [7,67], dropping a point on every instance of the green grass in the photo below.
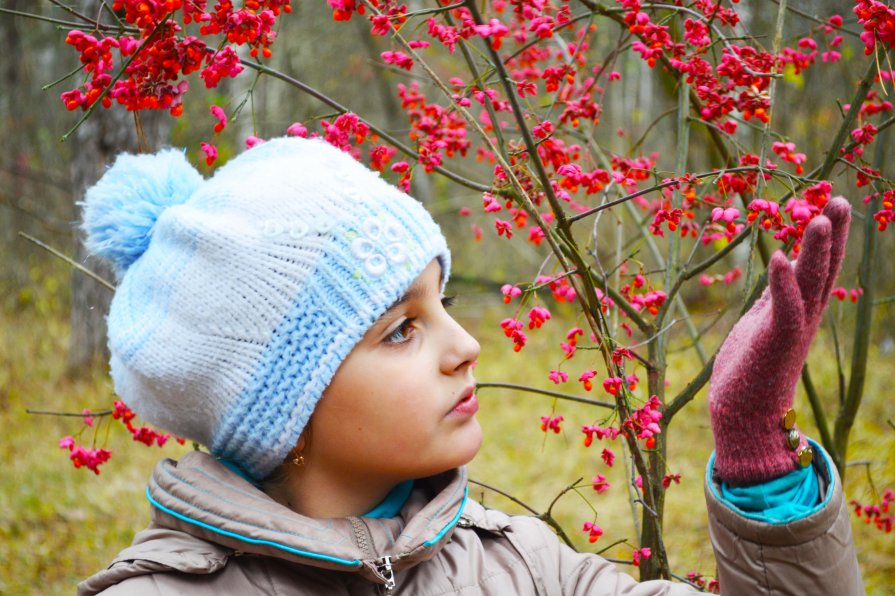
[59,525]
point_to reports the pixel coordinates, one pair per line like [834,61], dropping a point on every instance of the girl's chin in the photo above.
[472,441]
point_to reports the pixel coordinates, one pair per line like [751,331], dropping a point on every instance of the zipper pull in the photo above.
[384,566]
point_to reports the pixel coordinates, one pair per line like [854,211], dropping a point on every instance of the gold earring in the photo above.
[298,460]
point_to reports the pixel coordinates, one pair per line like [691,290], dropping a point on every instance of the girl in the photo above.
[289,315]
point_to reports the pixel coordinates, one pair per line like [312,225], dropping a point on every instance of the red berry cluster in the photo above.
[878,21]
[879,514]
[154,62]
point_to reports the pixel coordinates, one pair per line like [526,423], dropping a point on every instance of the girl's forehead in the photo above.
[428,280]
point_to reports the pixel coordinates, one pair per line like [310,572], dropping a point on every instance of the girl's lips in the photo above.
[468,404]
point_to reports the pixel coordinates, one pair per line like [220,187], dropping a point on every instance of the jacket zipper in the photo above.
[384,566]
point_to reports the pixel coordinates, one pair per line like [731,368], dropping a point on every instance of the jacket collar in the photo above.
[201,497]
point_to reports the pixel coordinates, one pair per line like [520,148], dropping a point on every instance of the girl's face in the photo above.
[401,406]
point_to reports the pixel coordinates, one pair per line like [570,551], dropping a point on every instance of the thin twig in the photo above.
[105,283]
[522,504]
[300,85]
[555,394]
[546,518]
[70,414]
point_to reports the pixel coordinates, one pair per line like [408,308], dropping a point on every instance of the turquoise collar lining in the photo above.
[393,502]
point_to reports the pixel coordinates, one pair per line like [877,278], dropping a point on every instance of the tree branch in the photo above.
[548,393]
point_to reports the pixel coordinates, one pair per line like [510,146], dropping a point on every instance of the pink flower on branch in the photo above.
[600,484]
[297,129]
[537,316]
[399,59]
[220,116]
[504,228]
[558,376]
[585,379]
[608,456]
[591,431]
[551,423]
[210,151]
[640,554]
[594,531]
[512,328]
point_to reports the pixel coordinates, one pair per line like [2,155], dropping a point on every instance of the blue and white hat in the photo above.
[239,296]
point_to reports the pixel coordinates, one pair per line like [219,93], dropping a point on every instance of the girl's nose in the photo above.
[462,348]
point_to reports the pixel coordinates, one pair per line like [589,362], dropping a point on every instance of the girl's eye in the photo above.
[404,332]
[401,334]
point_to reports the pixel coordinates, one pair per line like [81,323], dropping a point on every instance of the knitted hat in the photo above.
[239,296]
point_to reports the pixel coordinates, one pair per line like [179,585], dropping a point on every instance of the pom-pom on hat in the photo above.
[239,296]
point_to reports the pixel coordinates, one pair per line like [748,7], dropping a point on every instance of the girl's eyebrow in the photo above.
[385,319]
[414,292]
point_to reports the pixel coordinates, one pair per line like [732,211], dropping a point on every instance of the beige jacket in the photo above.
[214,533]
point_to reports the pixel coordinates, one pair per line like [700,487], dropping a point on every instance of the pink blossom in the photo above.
[726,215]
[537,316]
[644,422]
[733,275]
[612,384]
[641,554]
[509,292]
[608,456]
[669,478]
[543,130]
[297,129]
[558,376]
[210,151]
[490,204]
[551,423]
[620,354]
[594,531]
[503,228]
[600,484]
[252,140]
[512,328]
[221,116]
[536,235]
[586,377]
[223,64]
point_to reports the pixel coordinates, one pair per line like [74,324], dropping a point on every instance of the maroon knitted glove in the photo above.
[754,379]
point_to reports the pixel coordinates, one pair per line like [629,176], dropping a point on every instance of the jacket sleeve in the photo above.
[813,554]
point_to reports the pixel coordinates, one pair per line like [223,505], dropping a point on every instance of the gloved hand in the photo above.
[756,370]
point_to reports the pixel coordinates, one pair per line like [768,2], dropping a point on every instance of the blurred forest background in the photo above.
[58,525]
